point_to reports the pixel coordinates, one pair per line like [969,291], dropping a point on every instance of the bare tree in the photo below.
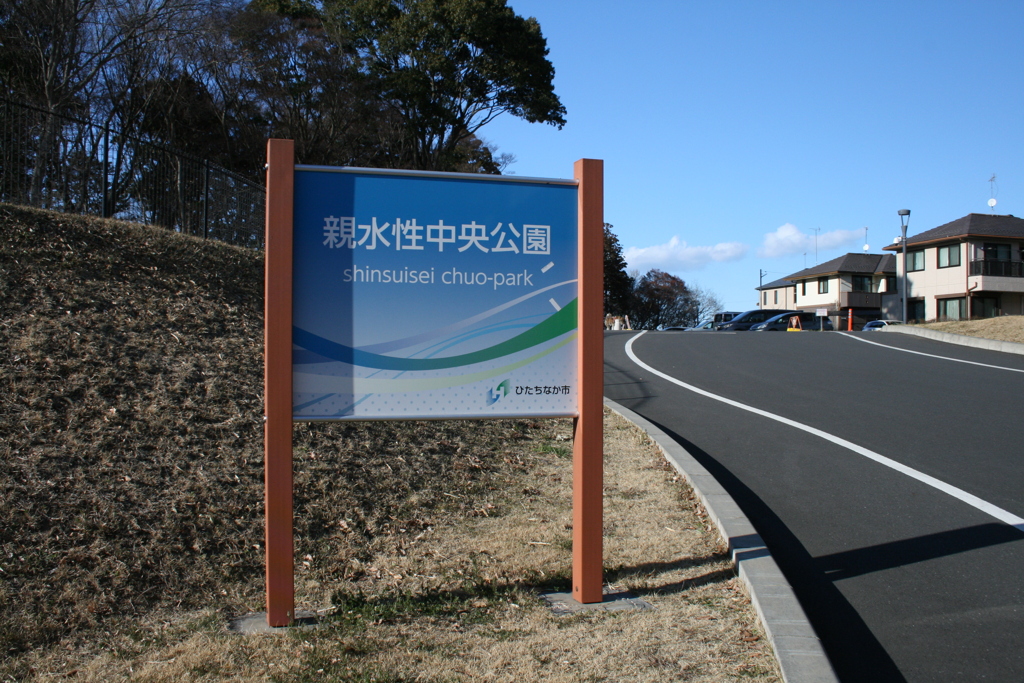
[705,304]
[65,52]
[660,300]
[64,45]
[282,75]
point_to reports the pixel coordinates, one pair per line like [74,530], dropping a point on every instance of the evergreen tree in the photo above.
[618,285]
[447,68]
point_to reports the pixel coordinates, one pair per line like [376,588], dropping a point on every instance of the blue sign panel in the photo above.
[420,296]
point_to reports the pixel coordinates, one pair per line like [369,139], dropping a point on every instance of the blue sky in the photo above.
[734,133]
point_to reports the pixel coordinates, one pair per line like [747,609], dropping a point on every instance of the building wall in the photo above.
[786,296]
[994,283]
[934,282]
[892,306]
[815,300]
[929,284]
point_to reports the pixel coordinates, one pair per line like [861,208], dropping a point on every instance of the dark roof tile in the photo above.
[971,225]
[887,265]
[850,263]
[776,284]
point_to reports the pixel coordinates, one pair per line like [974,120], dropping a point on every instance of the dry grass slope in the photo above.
[131,416]
[1006,328]
[131,494]
[129,402]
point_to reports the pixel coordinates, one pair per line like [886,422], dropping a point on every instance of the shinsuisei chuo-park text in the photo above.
[528,239]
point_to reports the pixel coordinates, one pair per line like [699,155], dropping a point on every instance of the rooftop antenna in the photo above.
[994,189]
[866,247]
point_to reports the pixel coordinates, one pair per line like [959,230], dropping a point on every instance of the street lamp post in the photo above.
[904,215]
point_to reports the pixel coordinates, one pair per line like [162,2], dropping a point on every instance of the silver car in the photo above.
[878,325]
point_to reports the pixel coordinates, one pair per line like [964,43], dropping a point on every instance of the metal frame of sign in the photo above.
[282,207]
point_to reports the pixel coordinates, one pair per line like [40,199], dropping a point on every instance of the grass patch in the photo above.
[465,607]
[560,450]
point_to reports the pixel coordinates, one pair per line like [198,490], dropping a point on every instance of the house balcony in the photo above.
[860,300]
[997,268]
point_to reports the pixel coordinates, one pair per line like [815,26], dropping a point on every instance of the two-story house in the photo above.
[968,268]
[857,281]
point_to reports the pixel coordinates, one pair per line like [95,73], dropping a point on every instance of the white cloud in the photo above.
[677,255]
[789,240]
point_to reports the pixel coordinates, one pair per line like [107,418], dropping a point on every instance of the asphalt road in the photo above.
[901,580]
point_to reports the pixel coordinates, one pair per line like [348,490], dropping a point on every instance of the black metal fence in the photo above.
[66,164]
[999,268]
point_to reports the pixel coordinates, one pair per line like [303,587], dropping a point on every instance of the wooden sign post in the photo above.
[277,387]
[588,432]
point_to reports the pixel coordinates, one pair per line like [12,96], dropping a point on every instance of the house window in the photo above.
[764,299]
[951,309]
[776,296]
[862,283]
[915,309]
[985,307]
[890,283]
[915,261]
[822,285]
[949,256]
[794,294]
[803,288]
[996,252]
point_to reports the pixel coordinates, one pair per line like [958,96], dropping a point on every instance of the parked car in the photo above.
[722,317]
[876,325]
[745,320]
[808,321]
[704,326]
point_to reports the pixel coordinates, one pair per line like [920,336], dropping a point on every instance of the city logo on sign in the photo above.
[497,393]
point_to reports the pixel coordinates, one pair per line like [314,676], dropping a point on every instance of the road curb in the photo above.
[797,647]
[962,340]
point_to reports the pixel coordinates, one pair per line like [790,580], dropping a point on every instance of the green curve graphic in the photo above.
[369,385]
[561,322]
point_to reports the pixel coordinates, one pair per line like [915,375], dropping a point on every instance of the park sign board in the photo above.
[428,295]
[405,295]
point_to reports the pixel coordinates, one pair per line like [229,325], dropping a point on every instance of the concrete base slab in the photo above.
[961,339]
[257,623]
[614,600]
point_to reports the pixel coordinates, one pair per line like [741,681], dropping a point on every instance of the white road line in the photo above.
[961,495]
[930,355]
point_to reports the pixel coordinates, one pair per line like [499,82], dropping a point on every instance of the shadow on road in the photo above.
[855,653]
[876,558]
